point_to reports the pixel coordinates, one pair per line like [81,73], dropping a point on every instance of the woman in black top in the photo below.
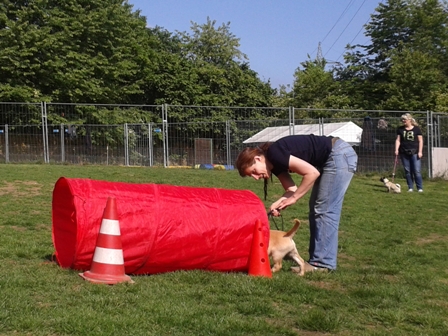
[409,145]
[326,165]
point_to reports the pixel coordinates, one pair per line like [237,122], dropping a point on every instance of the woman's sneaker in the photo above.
[420,190]
[310,268]
[410,190]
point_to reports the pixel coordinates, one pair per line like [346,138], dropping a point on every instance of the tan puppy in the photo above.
[281,245]
[392,187]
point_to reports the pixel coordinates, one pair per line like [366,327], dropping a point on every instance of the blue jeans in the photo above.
[412,168]
[325,204]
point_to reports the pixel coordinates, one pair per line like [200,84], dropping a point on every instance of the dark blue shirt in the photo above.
[310,148]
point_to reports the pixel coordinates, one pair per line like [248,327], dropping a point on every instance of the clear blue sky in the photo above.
[276,35]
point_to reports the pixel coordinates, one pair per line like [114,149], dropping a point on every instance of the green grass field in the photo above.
[392,276]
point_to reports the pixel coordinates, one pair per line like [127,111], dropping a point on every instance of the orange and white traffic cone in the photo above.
[108,263]
[258,258]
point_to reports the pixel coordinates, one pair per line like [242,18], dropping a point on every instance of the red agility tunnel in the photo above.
[164,228]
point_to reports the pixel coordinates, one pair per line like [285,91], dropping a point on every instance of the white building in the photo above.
[347,131]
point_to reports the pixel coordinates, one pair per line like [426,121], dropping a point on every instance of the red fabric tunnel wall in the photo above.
[163,228]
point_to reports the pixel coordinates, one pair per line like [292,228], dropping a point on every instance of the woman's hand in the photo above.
[285,201]
[273,209]
[274,212]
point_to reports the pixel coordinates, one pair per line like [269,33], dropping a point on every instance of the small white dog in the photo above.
[392,187]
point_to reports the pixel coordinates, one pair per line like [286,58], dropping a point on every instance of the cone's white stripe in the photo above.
[108,256]
[110,227]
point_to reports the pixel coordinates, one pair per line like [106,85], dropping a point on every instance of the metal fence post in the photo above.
[45,131]
[229,159]
[430,140]
[150,145]
[292,130]
[62,144]
[6,144]
[165,135]
[126,145]
[43,128]
[436,134]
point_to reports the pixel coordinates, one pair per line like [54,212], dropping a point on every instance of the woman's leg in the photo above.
[326,200]
[312,216]
[416,166]
[405,160]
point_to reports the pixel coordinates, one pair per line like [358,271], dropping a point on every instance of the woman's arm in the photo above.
[420,146]
[397,144]
[292,192]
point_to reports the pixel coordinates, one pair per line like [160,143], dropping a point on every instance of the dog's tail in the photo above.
[294,229]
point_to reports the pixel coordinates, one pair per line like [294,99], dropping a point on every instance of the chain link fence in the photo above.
[198,136]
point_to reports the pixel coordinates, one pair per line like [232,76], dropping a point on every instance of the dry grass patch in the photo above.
[332,286]
[19,189]
[432,238]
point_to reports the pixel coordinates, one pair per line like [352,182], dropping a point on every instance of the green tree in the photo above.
[214,71]
[204,68]
[315,87]
[72,51]
[405,65]
[170,76]
[284,96]
[441,102]
[415,81]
